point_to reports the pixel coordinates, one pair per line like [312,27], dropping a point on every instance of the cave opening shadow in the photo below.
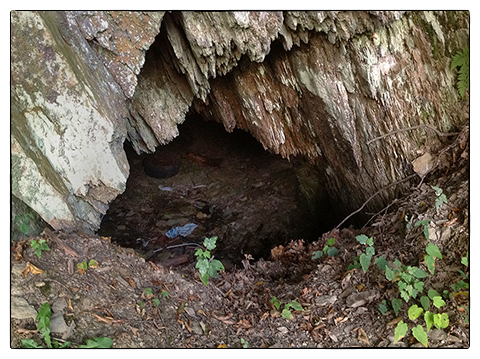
[227,185]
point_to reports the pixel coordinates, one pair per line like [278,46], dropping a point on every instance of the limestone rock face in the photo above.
[318,86]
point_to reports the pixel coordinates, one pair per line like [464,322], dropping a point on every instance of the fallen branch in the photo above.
[439,133]
[372,196]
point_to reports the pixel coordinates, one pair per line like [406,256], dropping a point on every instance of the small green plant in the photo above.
[208,266]
[462,59]
[43,318]
[39,246]
[441,198]
[366,258]
[164,294]
[328,250]
[244,343]
[23,221]
[286,313]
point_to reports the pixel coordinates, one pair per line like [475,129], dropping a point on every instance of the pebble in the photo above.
[57,323]
[437,334]
[17,269]
[59,305]
[454,339]
[283,330]
[325,300]
[196,328]
[20,309]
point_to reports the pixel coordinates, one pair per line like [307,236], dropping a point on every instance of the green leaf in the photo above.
[147,291]
[381,262]
[400,331]
[317,254]
[295,305]
[430,261]
[417,272]
[332,252]
[286,314]
[43,316]
[30,343]
[275,302]
[214,267]
[204,278]
[92,263]
[441,320]
[65,345]
[389,274]
[370,241]
[419,334]
[425,302]
[382,308]
[46,337]
[331,242]
[210,243]
[164,293]
[365,261]
[396,305]
[414,312]
[202,265]
[465,260]
[370,251]
[428,320]
[433,250]
[103,342]
[362,239]
[433,293]
[418,286]
[461,58]
[156,301]
[438,190]
[199,252]
[438,301]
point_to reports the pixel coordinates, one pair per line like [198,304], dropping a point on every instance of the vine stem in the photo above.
[373,195]
[412,128]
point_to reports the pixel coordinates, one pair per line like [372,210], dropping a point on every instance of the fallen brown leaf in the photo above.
[202,312]
[30,268]
[131,282]
[134,331]
[70,304]
[244,323]
[394,321]
[306,326]
[221,346]
[26,331]
[362,336]
[264,315]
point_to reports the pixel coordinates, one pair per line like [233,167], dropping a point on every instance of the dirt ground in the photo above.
[340,306]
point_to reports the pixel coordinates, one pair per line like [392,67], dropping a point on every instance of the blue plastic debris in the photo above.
[182,231]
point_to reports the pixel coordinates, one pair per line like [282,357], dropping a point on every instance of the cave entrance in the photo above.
[227,185]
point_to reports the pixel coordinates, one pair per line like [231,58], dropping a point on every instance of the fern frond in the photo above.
[462,60]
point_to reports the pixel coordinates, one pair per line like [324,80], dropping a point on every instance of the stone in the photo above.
[325,300]
[20,309]
[437,334]
[58,324]
[423,164]
[17,269]
[59,305]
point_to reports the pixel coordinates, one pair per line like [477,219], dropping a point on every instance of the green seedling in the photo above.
[39,246]
[244,343]
[206,265]
[164,294]
[23,221]
[286,313]
[43,318]
[366,258]
[328,250]
[441,198]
